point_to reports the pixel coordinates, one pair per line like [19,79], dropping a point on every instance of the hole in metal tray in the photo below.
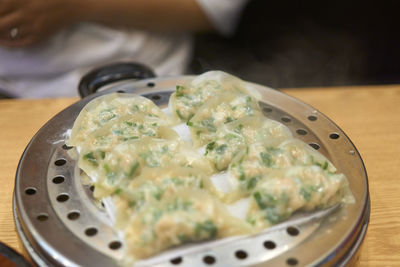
[269,244]
[73,215]
[293,231]
[30,191]
[209,259]
[315,146]
[292,261]
[62,197]
[91,231]
[42,217]
[334,136]
[286,119]
[241,254]
[176,261]
[58,179]
[114,245]
[301,131]
[312,118]
[60,162]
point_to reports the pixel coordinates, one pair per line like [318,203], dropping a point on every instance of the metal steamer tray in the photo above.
[60,224]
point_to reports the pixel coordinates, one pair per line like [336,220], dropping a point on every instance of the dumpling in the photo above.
[105,110]
[233,137]
[222,109]
[283,192]
[127,160]
[259,159]
[154,185]
[190,96]
[189,215]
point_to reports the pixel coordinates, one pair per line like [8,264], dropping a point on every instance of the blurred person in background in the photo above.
[46,46]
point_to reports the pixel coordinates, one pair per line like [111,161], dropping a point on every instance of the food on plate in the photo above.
[189,97]
[281,193]
[188,215]
[102,112]
[222,109]
[233,137]
[259,159]
[127,160]
[217,167]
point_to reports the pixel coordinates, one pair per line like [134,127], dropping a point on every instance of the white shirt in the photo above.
[55,68]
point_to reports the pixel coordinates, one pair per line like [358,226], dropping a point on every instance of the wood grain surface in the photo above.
[369,115]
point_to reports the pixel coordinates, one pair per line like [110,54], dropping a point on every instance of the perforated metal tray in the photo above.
[60,224]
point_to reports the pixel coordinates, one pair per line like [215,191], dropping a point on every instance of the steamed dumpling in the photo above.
[103,111]
[279,195]
[222,109]
[233,137]
[189,97]
[189,215]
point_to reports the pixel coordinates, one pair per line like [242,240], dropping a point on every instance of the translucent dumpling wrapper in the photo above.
[260,159]
[189,215]
[260,129]
[283,192]
[154,185]
[102,141]
[106,109]
[189,97]
[233,137]
[127,160]
[222,109]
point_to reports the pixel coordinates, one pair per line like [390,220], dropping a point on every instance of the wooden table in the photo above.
[370,115]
